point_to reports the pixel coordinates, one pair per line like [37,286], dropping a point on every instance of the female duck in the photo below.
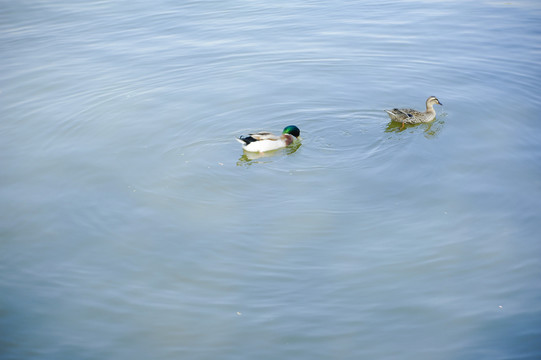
[410,116]
[266,141]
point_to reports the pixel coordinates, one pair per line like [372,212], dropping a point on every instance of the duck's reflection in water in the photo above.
[430,130]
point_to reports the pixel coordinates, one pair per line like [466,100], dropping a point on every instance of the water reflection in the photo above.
[430,130]
[250,158]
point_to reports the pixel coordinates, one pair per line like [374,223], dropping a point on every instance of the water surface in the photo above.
[134,227]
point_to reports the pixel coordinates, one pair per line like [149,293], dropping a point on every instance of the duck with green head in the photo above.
[266,141]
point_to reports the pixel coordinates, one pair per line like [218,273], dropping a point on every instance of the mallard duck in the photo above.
[410,116]
[266,141]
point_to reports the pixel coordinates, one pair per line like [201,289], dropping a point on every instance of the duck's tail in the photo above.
[245,140]
[239,139]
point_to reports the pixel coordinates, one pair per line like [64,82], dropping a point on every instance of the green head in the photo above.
[292,130]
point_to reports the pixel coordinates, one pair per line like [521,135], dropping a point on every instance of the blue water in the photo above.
[133,226]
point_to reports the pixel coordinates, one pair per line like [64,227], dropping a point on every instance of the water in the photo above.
[134,227]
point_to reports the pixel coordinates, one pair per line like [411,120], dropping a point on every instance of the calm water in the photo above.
[134,227]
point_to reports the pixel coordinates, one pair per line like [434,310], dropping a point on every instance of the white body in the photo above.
[267,142]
